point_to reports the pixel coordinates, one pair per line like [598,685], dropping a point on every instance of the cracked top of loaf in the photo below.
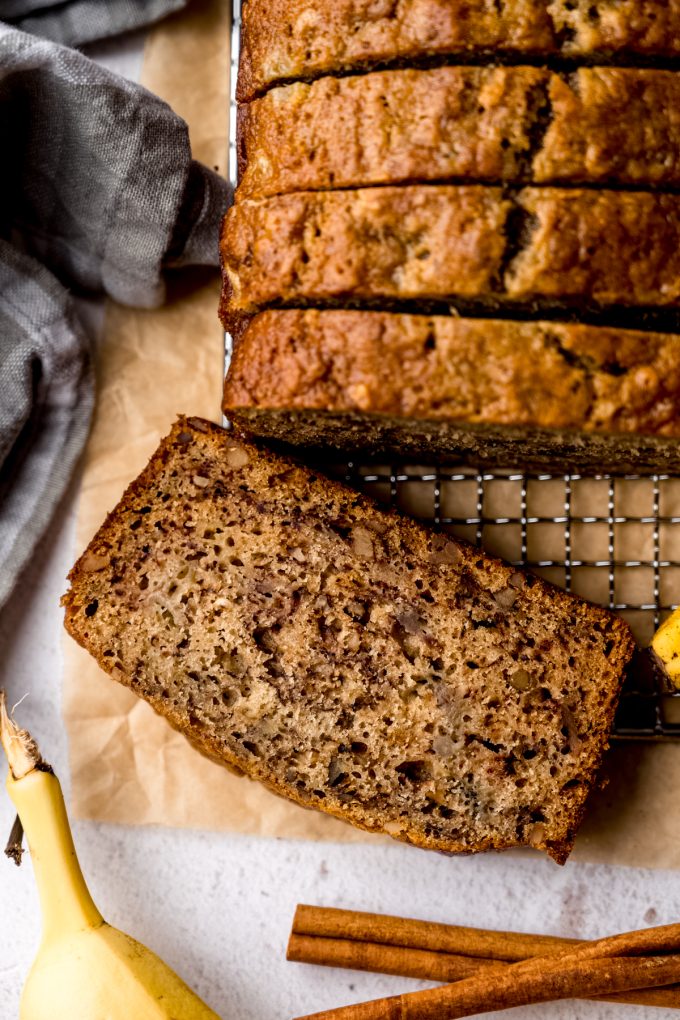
[284,40]
[601,125]
[442,244]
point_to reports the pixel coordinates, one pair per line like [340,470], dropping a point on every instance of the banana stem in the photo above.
[19,746]
[65,900]
[14,849]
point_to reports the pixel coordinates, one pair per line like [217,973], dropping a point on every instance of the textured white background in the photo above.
[218,908]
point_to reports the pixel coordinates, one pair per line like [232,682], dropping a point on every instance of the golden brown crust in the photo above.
[515,124]
[483,371]
[612,124]
[390,127]
[445,244]
[283,40]
[605,246]
[392,242]
[99,605]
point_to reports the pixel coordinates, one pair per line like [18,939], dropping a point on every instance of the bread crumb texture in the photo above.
[350,659]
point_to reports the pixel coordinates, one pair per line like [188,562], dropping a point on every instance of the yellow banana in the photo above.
[666,647]
[84,967]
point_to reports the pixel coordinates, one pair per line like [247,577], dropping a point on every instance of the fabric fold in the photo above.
[76,22]
[98,194]
[45,404]
[96,177]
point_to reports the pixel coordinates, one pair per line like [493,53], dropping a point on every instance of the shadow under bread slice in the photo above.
[285,40]
[489,391]
[515,124]
[348,657]
[440,245]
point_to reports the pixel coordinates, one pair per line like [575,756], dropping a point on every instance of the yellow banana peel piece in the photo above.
[666,647]
[84,967]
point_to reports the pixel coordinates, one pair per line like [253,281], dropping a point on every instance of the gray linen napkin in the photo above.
[45,404]
[97,189]
[75,22]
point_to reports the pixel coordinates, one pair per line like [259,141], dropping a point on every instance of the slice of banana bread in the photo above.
[284,40]
[547,394]
[349,658]
[515,124]
[443,244]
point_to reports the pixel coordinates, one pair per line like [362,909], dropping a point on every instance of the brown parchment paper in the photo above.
[128,766]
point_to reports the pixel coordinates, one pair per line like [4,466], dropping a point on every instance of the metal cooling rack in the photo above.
[612,539]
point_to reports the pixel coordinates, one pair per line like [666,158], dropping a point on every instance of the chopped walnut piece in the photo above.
[93,561]
[362,542]
[236,457]
[444,551]
[505,598]
[520,680]
[537,833]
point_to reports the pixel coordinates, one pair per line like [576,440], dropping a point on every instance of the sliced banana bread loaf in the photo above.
[515,124]
[348,658]
[443,244]
[546,394]
[283,40]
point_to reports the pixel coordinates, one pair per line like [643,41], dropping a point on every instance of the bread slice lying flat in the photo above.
[492,391]
[284,40]
[442,244]
[350,659]
[517,124]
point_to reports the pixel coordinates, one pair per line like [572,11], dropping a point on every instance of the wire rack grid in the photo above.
[612,539]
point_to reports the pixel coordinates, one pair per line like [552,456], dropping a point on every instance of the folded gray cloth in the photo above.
[97,186]
[45,404]
[75,22]
[97,178]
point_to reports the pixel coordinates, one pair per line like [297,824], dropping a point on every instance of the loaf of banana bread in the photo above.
[492,391]
[444,245]
[514,124]
[284,40]
[349,658]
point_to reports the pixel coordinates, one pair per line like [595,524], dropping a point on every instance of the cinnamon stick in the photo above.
[330,922]
[564,976]
[353,954]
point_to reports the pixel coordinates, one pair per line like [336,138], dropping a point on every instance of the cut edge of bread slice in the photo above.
[486,391]
[132,529]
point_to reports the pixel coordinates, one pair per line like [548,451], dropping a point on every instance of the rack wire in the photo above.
[612,539]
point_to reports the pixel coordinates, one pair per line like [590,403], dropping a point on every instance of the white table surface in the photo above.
[218,908]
